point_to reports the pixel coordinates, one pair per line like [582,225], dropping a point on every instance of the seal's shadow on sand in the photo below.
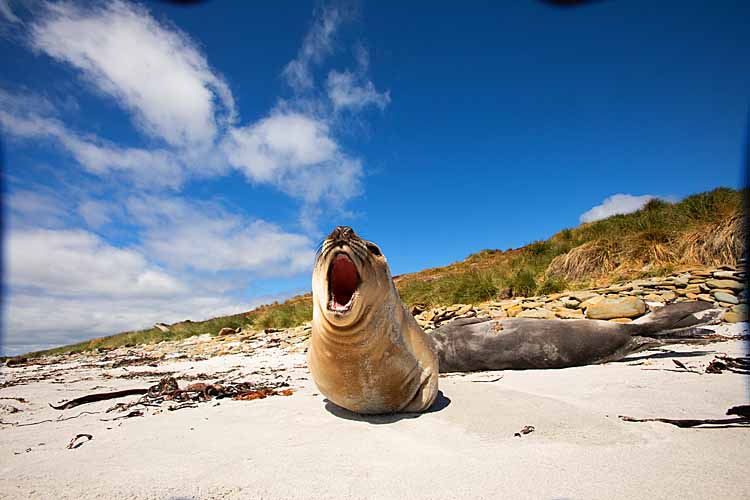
[440,403]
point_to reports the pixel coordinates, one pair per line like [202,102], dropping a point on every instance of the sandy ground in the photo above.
[304,447]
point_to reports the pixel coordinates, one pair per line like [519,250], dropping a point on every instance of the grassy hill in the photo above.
[703,229]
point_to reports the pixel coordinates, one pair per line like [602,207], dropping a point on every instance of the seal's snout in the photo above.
[343,280]
[341,234]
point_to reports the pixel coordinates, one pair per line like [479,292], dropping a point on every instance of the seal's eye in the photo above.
[373,248]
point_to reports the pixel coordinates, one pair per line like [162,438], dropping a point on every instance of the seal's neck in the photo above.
[374,323]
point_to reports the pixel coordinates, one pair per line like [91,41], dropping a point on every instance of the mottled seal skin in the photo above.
[526,343]
[367,353]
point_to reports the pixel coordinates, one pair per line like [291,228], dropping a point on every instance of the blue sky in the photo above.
[165,162]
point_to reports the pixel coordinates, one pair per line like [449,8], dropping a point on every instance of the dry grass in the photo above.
[713,244]
[590,259]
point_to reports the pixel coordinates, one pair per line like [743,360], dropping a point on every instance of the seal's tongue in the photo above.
[343,281]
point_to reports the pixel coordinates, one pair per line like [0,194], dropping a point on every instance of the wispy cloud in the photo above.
[354,90]
[618,204]
[318,43]
[155,73]
[7,12]
[155,168]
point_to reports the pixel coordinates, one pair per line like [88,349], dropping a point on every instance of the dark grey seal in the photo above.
[525,343]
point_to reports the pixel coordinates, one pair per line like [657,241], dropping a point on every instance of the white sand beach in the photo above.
[301,446]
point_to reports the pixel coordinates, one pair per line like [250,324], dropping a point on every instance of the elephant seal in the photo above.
[367,353]
[526,343]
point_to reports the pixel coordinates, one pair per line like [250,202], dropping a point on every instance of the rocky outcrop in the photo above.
[620,302]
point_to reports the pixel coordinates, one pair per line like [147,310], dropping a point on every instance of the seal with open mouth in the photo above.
[367,353]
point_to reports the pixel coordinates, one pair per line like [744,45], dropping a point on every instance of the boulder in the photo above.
[591,301]
[537,314]
[627,307]
[728,284]
[514,310]
[726,297]
[566,313]
[732,275]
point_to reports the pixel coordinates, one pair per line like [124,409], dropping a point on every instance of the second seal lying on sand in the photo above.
[368,354]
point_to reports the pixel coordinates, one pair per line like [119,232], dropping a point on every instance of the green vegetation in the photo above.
[461,288]
[286,315]
[703,229]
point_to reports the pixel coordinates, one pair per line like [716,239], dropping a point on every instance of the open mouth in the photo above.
[343,281]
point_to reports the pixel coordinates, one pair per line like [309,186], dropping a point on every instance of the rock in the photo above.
[733,317]
[653,297]
[726,297]
[464,309]
[532,305]
[729,284]
[416,309]
[428,315]
[667,296]
[514,310]
[681,280]
[628,307]
[498,313]
[162,326]
[591,301]
[738,314]
[732,275]
[620,320]
[583,295]
[566,313]
[571,303]
[705,297]
[537,314]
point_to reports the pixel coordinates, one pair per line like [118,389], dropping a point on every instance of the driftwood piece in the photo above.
[102,396]
[74,443]
[742,420]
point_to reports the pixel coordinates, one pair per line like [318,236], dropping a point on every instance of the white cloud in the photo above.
[354,91]
[203,236]
[296,153]
[156,73]
[36,322]
[616,204]
[147,168]
[97,213]
[79,263]
[40,208]
[317,44]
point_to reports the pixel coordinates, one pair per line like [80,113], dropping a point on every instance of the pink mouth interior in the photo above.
[343,281]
